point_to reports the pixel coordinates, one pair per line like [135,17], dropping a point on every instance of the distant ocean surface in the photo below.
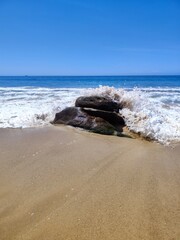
[151,103]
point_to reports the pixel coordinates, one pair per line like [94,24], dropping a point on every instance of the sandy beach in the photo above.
[64,183]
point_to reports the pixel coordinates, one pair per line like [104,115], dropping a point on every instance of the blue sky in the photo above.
[89,37]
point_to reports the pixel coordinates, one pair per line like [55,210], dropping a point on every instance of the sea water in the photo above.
[151,103]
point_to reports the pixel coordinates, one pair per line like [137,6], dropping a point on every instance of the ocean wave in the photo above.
[33,107]
[152,112]
[149,117]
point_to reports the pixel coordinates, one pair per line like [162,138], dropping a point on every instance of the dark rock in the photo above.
[96,102]
[90,120]
[113,118]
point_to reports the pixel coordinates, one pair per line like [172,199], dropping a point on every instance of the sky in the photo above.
[89,37]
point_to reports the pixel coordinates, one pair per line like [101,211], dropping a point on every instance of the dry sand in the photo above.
[63,183]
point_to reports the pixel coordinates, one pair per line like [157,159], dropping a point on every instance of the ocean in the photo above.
[151,103]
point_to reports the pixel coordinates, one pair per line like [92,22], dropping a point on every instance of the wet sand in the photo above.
[63,183]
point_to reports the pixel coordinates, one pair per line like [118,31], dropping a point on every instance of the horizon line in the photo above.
[108,75]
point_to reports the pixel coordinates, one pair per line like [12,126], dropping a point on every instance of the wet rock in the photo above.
[87,119]
[96,102]
[111,117]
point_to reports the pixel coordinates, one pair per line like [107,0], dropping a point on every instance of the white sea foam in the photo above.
[147,115]
[32,107]
[152,112]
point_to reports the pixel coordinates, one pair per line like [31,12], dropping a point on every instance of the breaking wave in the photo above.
[148,112]
[151,112]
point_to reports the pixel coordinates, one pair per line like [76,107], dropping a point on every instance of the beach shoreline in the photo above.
[66,183]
